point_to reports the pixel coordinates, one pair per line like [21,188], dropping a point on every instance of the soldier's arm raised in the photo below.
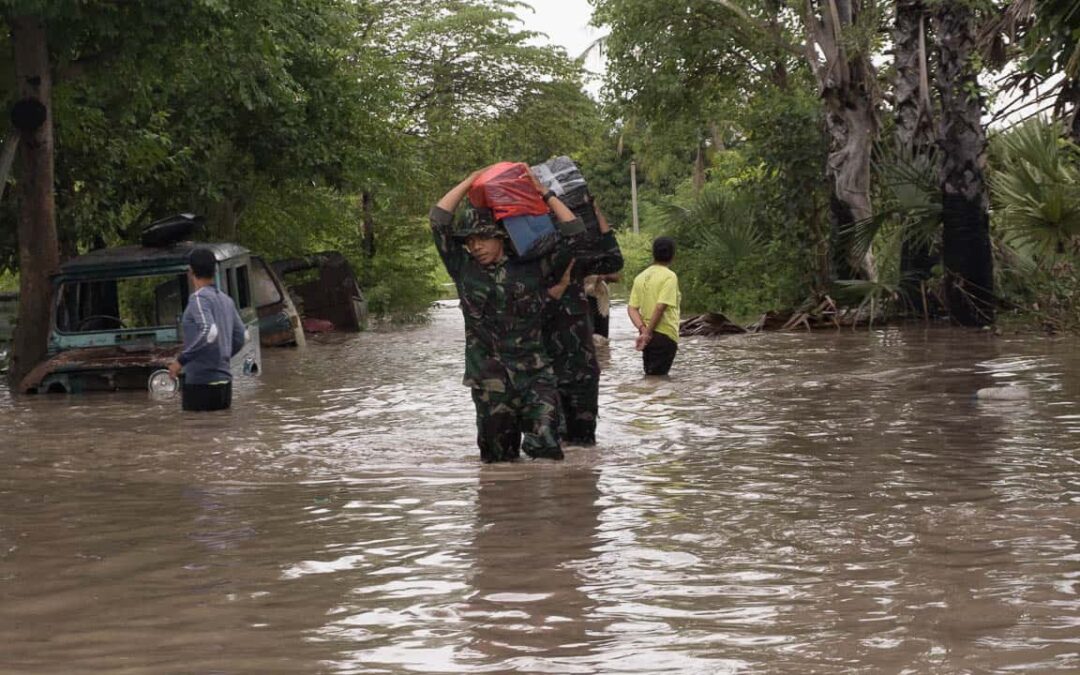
[451,199]
[442,226]
[562,212]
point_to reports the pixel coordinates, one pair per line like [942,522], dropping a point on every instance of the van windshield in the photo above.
[121,303]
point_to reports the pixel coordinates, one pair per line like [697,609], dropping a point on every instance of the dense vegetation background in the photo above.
[866,151]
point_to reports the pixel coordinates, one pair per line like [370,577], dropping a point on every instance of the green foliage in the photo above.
[1037,44]
[291,221]
[1034,178]
[884,295]
[1036,188]
[270,117]
[725,124]
[203,104]
[475,89]
[1036,223]
[606,163]
[403,286]
[909,203]
[784,138]
[1039,292]
[637,255]
[558,118]
[731,256]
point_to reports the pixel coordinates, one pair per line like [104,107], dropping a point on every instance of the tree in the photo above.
[676,72]
[966,250]
[464,64]
[201,106]
[665,53]
[915,140]
[1041,40]
[38,252]
[840,37]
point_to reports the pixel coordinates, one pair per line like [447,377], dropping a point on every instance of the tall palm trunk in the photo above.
[969,266]
[846,80]
[914,133]
[39,254]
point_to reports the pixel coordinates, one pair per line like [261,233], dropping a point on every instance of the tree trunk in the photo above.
[224,219]
[38,252]
[851,122]
[914,136]
[914,115]
[699,169]
[969,265]
[848,90]
[368,225]
[1073,118]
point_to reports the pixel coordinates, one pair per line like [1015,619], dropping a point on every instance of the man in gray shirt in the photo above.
[213,334]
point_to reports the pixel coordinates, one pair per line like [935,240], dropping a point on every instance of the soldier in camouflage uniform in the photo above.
[569,340]
[503,300]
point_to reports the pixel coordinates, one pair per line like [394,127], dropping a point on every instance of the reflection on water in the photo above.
[784,503]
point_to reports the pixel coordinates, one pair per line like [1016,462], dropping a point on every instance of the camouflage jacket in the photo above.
[503,304]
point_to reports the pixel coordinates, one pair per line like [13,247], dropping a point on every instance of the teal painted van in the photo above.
[116,316]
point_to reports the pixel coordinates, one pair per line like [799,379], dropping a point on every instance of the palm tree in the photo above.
[966,251]
[914,133]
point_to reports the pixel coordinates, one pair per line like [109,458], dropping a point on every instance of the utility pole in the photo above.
[633,192]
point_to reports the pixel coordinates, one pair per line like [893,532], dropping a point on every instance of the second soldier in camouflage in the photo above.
[569,340]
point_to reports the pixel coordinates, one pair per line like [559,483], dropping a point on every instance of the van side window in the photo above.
[264,290]
[228,277]
[243,287]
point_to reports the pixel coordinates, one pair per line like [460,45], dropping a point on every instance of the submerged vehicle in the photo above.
[116,316]
[279,321]
[325,290]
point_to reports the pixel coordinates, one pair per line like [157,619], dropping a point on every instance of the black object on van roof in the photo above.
[171,229]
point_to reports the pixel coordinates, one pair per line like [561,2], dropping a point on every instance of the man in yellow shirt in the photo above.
[654,309]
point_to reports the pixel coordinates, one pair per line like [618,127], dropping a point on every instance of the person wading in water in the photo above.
[503,299]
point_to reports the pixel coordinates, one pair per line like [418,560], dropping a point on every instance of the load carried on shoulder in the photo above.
[563,177]
[507,191]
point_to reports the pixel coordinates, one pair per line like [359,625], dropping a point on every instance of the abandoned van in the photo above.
[117,311]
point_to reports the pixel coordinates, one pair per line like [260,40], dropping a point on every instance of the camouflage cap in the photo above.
[480,223]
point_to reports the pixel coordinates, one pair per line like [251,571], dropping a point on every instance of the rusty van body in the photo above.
[116,316]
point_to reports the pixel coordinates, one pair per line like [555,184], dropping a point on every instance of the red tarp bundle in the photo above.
[507,190]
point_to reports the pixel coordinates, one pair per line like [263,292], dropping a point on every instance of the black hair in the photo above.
[663,249]
[203,263]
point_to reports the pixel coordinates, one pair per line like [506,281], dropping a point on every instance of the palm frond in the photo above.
[1036,191]
[910,201]
[716,220]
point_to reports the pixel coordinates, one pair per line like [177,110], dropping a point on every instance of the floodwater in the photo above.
[786,503]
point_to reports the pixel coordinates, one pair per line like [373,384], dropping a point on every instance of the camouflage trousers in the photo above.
[570,345]
[578,409]
[522,418]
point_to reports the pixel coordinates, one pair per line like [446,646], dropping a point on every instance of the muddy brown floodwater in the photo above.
[788,503]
